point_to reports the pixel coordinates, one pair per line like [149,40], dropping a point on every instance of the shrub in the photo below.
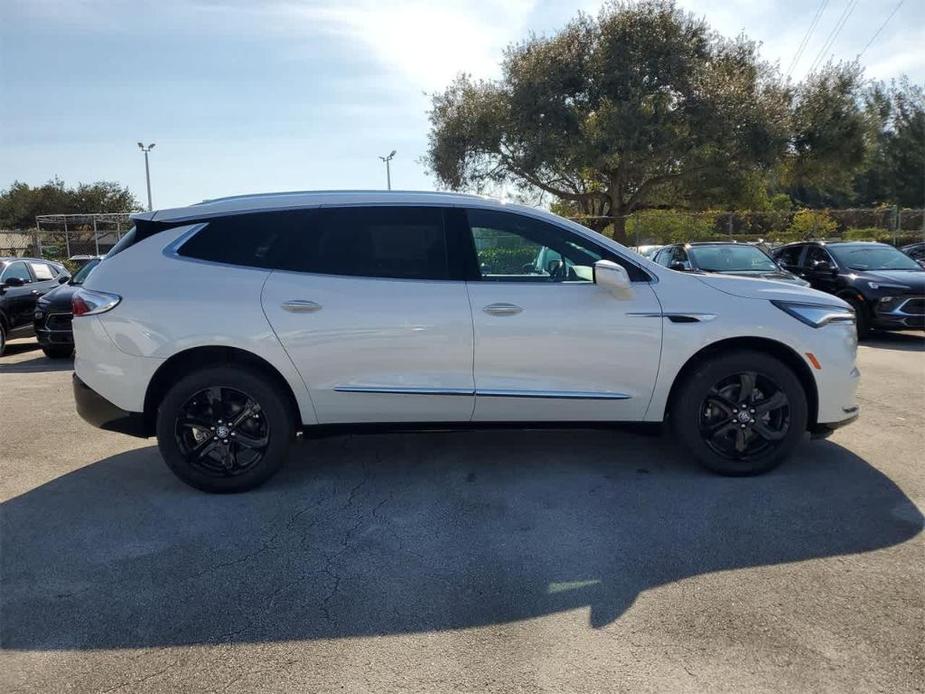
[507,261]
[809,224]
[671,226]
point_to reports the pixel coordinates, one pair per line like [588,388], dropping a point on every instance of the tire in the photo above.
[710,399]
[188,429]
[58,352]
[2,338]
[862,320]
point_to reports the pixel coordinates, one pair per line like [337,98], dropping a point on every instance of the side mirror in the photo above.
[822,266]
[678,265]
[612,276]
[64,279]
[13,282]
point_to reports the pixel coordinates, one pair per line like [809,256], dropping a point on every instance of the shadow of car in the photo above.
[392,534]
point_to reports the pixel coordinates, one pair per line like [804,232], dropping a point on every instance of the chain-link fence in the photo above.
[886,224]
[63,236]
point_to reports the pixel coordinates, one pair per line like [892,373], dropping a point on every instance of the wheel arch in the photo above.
[776,349]
[188,360]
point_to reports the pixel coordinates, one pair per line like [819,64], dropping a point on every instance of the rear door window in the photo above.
[42,271]
[790,256]
[388,242]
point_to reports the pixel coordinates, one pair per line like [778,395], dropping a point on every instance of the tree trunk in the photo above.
[617,209]
[619,229]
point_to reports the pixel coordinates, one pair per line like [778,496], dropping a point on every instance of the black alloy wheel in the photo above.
[220,431]
[739,412]
[227,428]
[744,415]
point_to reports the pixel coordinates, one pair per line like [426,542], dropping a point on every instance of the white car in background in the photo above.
[227,327]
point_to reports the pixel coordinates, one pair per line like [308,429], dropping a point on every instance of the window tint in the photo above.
[394,242]
[43,271]
[253,240]
[790,255]
[17,269]
[816,254]
[515,248]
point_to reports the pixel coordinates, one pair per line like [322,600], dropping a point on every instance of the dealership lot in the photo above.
[552,561]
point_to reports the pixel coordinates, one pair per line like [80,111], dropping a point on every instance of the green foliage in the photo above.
[867,234]
[507,261]
[810,224]
[20,203]
[611,111]
[672,226]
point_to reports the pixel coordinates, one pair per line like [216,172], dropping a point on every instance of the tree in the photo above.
[894,166]
[20,203]
[610,112]
[828,138]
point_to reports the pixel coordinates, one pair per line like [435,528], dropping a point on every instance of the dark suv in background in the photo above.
[22,282]
[53,315]
[725,258]
[884,285]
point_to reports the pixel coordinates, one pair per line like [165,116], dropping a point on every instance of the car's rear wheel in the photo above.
[2,338]
[58,352]
[224,429]
[741,413]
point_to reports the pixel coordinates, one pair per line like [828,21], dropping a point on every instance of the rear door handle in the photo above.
[502,309]
[301,306]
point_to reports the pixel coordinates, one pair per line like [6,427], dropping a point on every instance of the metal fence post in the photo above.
[67,239]
[96,238]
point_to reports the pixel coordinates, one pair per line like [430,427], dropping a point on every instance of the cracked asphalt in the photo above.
[550,561]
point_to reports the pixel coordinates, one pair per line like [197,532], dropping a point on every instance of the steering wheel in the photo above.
[557,269]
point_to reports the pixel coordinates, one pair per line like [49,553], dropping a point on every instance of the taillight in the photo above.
[87,302]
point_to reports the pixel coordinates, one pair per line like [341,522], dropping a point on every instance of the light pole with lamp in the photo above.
[147,170]
[388,173]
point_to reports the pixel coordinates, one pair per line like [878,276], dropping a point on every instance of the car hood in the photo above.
[59,297]
[914,279]
[778,275]
[750,288]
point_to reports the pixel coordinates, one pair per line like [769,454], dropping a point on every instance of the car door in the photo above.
[820,269]
[19,300]
[550,344]
[375,317]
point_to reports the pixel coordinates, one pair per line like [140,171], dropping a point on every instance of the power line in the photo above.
[806,36]
[885,22]
[836,30]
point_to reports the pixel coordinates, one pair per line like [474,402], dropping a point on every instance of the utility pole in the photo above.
[147,170]
[388,173]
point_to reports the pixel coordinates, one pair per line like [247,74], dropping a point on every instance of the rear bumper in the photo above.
[98,411]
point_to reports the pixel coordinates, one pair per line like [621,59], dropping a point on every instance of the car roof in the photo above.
[266,202]
[11,258]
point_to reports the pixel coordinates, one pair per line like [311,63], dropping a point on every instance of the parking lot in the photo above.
[559,561]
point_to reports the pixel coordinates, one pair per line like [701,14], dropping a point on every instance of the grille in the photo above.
[913,306]
[59,321]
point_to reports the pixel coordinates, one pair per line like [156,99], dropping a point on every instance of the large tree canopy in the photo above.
[20,203]
[609,110]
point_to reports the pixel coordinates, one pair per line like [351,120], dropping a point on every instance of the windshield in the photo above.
[82,273]
[873,258]
[731,259]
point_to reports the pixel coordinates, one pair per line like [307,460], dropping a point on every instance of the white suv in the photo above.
[228,327]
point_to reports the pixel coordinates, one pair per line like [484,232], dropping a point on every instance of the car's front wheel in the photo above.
[224,429]
[741,413]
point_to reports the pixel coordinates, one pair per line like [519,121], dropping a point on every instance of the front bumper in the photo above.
[906,312]
[98,411]
[824,431]
[53,328]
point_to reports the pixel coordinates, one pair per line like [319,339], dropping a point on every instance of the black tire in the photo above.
[202,397]
[58,351]
[2,338]
[700,406]
[862,319]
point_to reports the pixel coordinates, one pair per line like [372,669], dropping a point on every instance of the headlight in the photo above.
[816,315]
[881,285]
[86,302]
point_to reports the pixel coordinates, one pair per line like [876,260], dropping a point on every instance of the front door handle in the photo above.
[502,309]
[301,306]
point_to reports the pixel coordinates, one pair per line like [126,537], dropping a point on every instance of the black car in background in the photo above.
[22,282]
[884,285]
[916,251]
[53,315]
[724,257]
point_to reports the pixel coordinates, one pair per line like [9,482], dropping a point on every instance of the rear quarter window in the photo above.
[251,240]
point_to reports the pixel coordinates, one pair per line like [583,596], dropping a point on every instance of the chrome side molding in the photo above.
[486,393]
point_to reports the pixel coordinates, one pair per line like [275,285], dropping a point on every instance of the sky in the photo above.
[259,95]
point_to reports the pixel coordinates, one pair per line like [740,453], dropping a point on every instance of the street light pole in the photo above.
[388,173]
[147,170]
